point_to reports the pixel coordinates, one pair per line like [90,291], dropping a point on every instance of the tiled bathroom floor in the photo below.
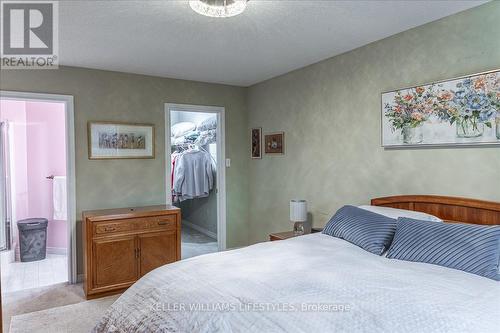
[26,275]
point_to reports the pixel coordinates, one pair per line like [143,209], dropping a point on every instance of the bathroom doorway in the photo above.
[37,234]
[196,175]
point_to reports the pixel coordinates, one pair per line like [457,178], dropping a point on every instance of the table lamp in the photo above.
[298,215]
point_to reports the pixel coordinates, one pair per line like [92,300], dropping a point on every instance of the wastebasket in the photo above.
[32,238]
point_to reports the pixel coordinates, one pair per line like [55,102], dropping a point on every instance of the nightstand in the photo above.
[288,234]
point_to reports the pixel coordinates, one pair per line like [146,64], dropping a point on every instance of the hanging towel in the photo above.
[59,197]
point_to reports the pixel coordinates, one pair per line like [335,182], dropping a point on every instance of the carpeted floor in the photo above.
[75,318]
[31,300]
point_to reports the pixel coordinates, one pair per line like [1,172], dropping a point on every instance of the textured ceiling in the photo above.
[166,38]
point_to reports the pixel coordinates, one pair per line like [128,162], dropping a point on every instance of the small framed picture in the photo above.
[112,140]
[275,143]
[256,137]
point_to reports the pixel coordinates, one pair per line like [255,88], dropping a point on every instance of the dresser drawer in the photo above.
[103,228]
[164,222]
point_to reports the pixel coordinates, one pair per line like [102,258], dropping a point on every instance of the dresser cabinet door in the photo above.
[156,249]
[115,261]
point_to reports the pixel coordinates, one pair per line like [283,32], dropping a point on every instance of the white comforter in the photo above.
[277,287]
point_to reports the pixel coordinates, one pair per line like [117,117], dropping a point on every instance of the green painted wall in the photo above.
[112,96]
[330,112]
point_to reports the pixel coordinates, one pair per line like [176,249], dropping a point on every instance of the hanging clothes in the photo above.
[173,157]
[194,175]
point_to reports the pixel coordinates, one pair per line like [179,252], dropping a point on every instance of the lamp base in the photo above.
[298,228]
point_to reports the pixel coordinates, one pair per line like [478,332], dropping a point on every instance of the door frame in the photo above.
[221,161]
[70,165]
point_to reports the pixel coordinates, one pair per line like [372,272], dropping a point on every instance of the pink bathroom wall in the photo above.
[46,151]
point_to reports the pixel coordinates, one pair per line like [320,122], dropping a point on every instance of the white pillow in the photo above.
[182,128]
[395,213]
[207,124]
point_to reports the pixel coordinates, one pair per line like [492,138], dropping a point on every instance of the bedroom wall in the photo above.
[330,112]
[111,96]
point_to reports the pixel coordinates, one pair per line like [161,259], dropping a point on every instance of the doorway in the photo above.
[37,210]
[195,160]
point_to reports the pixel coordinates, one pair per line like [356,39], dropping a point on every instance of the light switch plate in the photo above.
[228,162]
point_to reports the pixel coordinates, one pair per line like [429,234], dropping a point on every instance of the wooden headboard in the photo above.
[450,209]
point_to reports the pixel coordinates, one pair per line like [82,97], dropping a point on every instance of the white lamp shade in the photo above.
[298,210]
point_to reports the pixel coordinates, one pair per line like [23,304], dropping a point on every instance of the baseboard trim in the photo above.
[234,248]
[200,229]
[57,250]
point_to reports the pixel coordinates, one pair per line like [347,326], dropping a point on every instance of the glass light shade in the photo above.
[298,211]
[218,8]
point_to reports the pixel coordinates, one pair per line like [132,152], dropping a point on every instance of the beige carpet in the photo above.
[75,318]
[31,300]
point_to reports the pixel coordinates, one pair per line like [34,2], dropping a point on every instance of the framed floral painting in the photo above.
[462,111]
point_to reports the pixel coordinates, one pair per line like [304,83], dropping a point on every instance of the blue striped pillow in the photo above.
[467,247]
[370,231]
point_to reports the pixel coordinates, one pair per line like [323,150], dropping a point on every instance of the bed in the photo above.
[315,283]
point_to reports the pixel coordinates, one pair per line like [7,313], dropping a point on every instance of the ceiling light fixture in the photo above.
[218,8]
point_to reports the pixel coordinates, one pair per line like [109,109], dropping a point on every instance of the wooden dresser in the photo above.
[122,245]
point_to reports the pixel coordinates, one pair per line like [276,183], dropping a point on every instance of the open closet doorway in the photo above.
[195,159]
[37,185]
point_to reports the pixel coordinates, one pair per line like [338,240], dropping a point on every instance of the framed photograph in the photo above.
[275,143]
[256,143]
[463,111]
[112,140]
